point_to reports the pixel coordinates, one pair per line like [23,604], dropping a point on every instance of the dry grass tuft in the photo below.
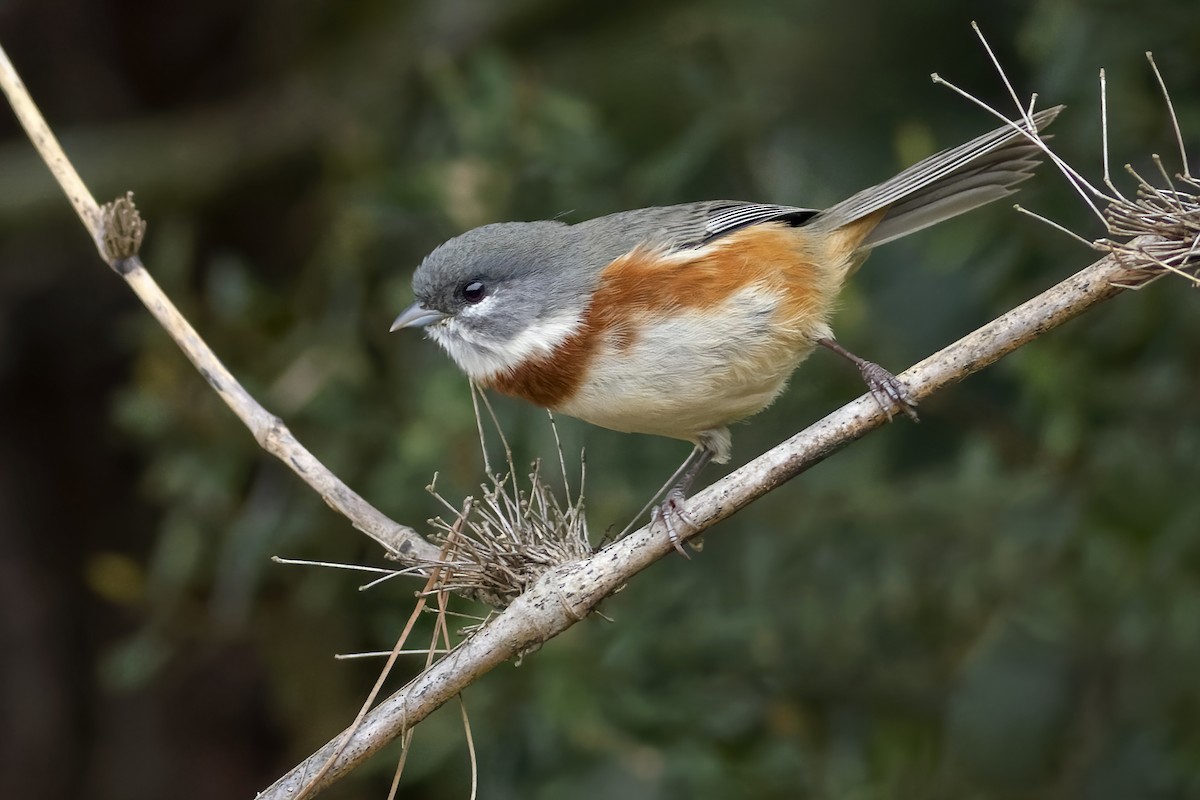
[1156,233]
[1153,234]
[502,541]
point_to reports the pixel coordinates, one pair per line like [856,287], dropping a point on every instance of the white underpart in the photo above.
[688,375]
[482,357]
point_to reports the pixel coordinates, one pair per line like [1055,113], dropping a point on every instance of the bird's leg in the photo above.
[886,388]
[670,511]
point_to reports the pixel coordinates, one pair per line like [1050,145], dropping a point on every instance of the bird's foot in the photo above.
[671,514]
[889,391]
[886,388]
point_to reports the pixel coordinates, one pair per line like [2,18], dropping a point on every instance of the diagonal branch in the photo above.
[1165,225]
[116,231]
[567,594]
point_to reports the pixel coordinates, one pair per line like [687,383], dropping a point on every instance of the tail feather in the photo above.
[944,185]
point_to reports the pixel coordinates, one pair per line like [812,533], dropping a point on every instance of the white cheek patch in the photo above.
[480,309]
[542,337]
[481,356]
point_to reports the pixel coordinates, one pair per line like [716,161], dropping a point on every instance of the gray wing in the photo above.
[682,226]
[942,186]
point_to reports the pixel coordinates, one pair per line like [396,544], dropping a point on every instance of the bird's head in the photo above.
[500,294]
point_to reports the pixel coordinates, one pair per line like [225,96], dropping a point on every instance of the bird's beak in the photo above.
[417,316]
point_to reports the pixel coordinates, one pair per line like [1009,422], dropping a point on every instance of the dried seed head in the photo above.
[501,542]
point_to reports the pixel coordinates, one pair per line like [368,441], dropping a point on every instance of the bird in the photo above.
[681,320]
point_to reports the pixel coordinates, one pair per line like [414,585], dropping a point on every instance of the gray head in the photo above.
[499,294]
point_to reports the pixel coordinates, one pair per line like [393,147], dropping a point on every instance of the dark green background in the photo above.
[1002,602]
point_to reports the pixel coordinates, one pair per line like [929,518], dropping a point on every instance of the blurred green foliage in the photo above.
[1002,602]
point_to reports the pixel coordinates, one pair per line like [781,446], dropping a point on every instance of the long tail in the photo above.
[942,186]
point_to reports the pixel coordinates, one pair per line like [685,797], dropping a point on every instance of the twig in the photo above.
[1108,181]
[51,151]
[568,593]
[439,628]
[116,231]
[309,785]
[1183,156]
[385,654]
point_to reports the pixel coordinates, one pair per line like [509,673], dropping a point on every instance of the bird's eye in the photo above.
[473,292]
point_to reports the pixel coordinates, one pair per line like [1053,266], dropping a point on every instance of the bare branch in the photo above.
[1108,181]
[1183,156]
[1165,225]
[564,594]
[568,593]
[117,231]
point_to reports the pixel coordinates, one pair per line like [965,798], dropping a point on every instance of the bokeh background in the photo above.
[1002,602]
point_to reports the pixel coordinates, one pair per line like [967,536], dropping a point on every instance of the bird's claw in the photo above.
[888,390]
[670,512]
